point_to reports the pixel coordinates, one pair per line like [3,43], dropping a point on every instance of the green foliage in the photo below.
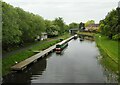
[60,23]
[109,50]
[66,27]
[26,53]
[55,27]
[31,25]
[89,22]
[10,61]
[11,32]
[109,46]
[48,23]
[20,26]
[110,25]
[116,37]
[53,30]
[73,25]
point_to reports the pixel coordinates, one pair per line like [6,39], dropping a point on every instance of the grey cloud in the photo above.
[70,10]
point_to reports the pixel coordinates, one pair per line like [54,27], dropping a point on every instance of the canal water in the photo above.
[78,63]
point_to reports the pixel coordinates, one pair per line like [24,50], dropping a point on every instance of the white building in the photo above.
[44,36]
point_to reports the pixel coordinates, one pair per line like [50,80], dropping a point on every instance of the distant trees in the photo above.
[60,23]
[51,29]
[110,26]
[73,25]
[89,22]
[55,27]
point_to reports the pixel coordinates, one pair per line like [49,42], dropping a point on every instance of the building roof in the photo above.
[93,25]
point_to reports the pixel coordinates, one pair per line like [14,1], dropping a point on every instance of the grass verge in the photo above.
[24,54]
[109,51]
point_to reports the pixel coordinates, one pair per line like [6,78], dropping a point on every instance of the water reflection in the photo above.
[110,76]
[25,76]
[76,64]
[85,37]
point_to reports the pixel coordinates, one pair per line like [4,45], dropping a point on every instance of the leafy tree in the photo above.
[11,33]
[20,26]
[53,30]
[66,28]
[48,24]
[110,25]
[73,25]
[60,22]
[89,22]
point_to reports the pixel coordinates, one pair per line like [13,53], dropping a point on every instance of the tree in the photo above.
[89,22]
[66,28]
[20,26]
[60,22]
[73,25]
[53,31]
[110,25]
[11,32]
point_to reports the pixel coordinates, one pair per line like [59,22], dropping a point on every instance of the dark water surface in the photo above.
[77,64]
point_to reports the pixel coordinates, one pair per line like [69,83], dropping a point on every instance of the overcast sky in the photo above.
[70,10]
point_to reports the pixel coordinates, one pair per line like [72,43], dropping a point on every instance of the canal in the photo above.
[78,63]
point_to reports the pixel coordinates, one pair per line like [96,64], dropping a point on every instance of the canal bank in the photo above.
[109,51]
[24,54]
[22,65]
[76,64]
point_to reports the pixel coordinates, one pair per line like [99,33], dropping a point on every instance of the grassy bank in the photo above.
[86,33]
[24,54]
[109,51]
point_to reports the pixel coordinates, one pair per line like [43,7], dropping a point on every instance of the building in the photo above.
[92,27]
[73,31]
[44,36]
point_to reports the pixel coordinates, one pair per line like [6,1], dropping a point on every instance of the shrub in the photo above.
[116,37]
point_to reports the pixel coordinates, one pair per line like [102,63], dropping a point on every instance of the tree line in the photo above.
[110,26]
[20,27]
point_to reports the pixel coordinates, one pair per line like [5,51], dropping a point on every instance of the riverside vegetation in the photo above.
[109,38]
[21,27]
[24,54]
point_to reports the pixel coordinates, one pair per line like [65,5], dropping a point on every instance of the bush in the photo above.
[116,37]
